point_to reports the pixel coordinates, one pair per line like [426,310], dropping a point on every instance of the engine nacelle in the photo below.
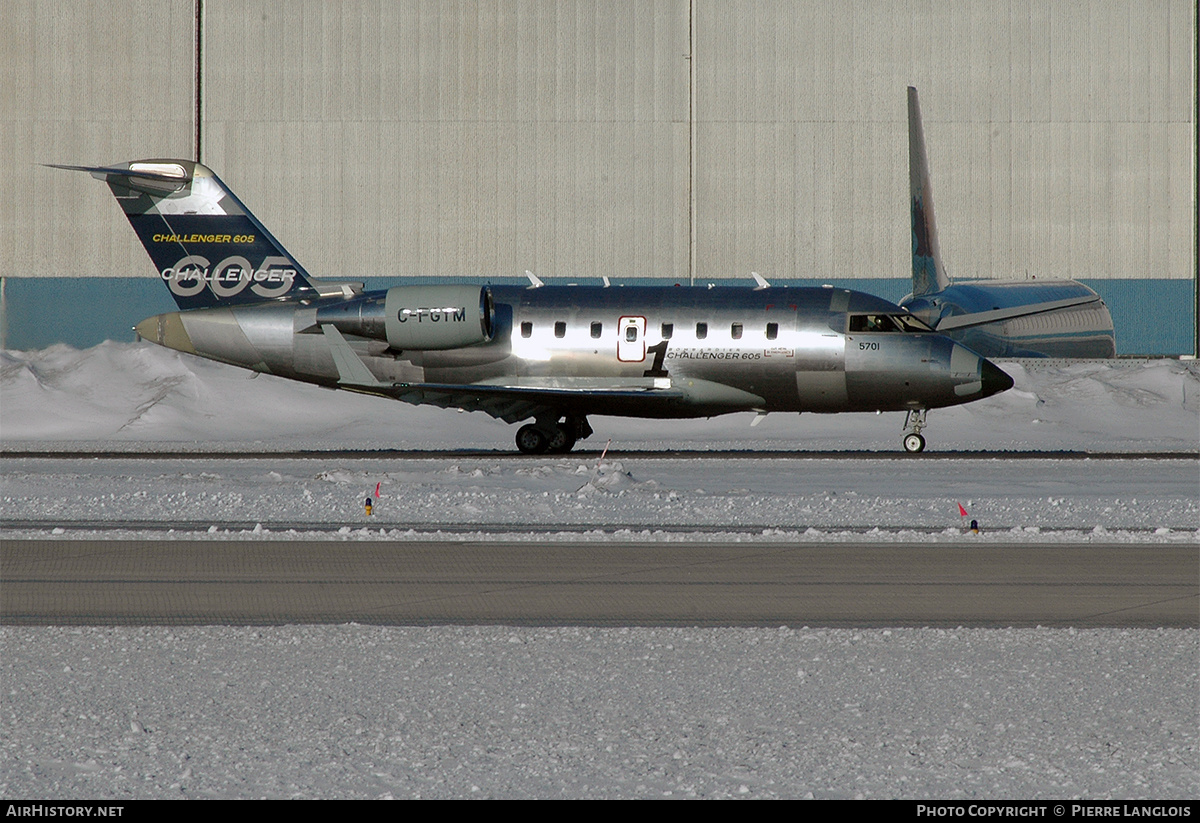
[431,318]
[418,318]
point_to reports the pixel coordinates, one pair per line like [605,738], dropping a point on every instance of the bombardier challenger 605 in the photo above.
[550,354]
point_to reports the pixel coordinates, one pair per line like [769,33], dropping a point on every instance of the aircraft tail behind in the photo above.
[928,273]
[208,248]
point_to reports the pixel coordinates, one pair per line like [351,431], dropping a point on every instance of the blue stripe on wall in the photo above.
[1151,316]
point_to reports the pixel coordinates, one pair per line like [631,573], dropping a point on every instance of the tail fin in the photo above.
[208,248]
[928,273]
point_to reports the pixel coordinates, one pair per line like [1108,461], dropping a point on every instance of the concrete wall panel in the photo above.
[1061,136]
[512,136]
[86,83]
[594,137]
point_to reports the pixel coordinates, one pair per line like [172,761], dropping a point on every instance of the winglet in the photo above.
[760,280]
[928,273]
[534,280]
[351,370]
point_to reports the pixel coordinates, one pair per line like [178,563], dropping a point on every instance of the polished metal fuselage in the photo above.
[718,349]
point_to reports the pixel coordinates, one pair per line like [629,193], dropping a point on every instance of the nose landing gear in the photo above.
[914,421]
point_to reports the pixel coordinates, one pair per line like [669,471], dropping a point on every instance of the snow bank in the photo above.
[140,393]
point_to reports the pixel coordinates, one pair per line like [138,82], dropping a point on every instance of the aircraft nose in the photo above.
[994,379]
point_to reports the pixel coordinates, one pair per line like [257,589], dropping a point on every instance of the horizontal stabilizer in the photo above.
[165,172]
[980,318]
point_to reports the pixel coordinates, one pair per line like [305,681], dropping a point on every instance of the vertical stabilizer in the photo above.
[208,248]
[928,273]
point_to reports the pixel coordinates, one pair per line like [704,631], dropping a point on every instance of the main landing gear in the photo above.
[549,436]
[914,421]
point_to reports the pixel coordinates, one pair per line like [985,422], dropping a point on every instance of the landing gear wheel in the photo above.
[530,439]
[914,443]
[561,440]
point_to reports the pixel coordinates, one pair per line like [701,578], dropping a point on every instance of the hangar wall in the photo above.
[437,138]
[1061,136]
[86,83]
[666,139]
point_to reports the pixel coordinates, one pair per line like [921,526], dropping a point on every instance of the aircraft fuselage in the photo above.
[555,354]
[718,350]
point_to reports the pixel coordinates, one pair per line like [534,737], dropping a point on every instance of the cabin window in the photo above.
[526,329]
[597,330]
[631,333]
[667,330]
[701,331]
[735,331]
[560,329]
[772,331]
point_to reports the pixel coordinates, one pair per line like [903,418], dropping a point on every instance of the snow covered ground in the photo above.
[142,397]
[364,711]
[764,500]
[356,711]
[126,394]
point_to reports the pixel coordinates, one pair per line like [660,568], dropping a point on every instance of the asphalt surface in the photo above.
[651,454]
[150,582]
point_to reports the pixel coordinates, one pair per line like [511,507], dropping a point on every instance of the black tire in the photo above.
[562,440]
[914,443]
[530,439]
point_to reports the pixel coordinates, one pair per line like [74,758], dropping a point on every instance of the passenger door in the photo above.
[631,339]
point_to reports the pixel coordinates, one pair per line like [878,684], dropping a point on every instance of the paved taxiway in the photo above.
[588,454]
[139,582]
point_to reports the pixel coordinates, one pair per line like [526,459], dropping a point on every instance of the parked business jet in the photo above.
[550,354]
[997,318]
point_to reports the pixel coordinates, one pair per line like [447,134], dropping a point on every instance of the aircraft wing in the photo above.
[518,398]
[980,318]
[512,403]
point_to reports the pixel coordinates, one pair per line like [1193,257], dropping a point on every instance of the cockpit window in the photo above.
[886,323]
[872,322]
[910,323]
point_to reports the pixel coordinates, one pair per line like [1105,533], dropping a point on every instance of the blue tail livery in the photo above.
[208,248]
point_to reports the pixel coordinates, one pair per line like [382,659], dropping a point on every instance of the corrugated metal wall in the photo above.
[434,138]
[1061,136]
[86,83]
[598,137]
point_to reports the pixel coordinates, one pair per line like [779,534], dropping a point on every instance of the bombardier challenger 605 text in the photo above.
[550,354]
